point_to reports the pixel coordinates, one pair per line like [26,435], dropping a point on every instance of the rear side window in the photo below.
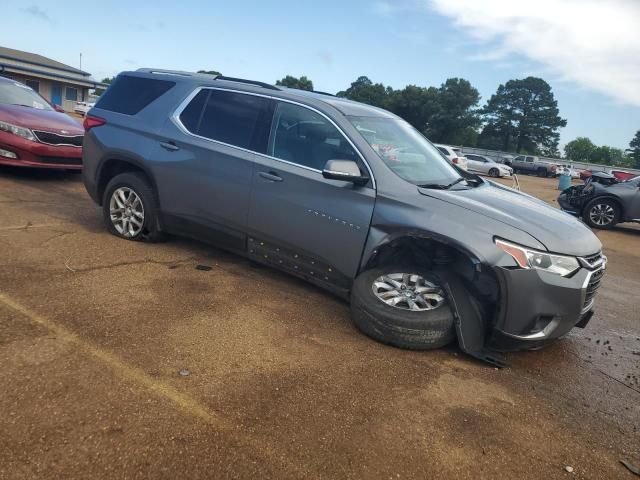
[129,95]
[233,118]
[443,150]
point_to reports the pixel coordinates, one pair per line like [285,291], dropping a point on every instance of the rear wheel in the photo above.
[402,306]
[542,172]
[129,208]
[494,172]
[601,213]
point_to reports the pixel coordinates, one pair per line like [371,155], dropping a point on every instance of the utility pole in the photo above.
[80,60]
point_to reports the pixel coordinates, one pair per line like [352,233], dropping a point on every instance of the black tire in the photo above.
[494,172]
[542,172]
[414,330]
[150,231]
[590,216]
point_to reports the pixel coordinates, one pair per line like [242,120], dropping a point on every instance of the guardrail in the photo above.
[498,156]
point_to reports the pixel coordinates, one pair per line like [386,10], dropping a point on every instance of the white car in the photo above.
[82,108]
[454,155]
[486,166]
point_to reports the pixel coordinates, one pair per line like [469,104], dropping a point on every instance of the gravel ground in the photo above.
[276,382]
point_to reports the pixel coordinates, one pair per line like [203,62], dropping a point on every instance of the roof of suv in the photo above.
[346,106]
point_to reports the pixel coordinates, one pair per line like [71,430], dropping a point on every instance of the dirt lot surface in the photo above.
[95,330]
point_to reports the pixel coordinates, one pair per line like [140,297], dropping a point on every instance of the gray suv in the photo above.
[346,196]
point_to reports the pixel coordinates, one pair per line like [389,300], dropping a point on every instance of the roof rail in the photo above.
[250,82]
[323,93]
[178,73]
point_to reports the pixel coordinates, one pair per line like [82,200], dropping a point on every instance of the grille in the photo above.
[60,160]
[56,139]
[592,287]
[593,260]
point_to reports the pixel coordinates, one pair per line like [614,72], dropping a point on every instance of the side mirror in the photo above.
[58,108]
[346,170]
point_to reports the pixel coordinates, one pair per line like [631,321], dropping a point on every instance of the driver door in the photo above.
[298,220]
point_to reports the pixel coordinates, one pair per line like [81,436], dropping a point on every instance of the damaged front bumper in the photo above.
[537,307]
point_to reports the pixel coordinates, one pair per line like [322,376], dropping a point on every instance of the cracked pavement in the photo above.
[94,330]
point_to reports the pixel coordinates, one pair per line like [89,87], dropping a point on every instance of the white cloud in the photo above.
[594,43]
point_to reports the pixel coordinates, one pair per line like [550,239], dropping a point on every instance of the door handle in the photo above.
[172,147]
[271,176]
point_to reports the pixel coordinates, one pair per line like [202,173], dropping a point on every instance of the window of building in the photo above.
[71,94]
[302,136]
[34,84]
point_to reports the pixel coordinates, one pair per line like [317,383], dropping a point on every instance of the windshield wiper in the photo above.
[23,105]
[441,186]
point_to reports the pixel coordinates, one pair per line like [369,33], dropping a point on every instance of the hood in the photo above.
[47,120]
[558,231]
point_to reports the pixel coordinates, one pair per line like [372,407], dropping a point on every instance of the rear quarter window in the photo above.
[129,95]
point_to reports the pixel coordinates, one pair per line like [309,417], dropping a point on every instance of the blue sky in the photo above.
[421,42]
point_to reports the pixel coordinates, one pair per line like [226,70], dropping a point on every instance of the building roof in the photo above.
[38,60]
[32,64]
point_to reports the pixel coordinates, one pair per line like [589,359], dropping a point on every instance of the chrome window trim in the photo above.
[175,118]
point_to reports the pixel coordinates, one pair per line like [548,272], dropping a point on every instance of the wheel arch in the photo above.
[114,165]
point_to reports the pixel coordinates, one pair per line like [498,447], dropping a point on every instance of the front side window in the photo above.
[405,151]
[304,137]
[233,118]
[15,93]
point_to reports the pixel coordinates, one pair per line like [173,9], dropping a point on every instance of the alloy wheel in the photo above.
[408,291]
[126,212]
[602,214]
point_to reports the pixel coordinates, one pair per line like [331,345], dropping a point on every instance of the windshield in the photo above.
[14,93]
[405,151]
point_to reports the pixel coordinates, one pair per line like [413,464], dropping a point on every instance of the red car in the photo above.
[618,174]
[34,134]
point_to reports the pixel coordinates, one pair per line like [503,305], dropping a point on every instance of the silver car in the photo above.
[486,166]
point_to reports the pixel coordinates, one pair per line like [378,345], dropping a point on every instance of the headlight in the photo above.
[529,258]
[19,131]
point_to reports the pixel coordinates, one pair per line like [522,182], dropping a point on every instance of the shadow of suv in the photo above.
[344,195]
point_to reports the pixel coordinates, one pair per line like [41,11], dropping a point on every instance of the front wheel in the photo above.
[494,172]
[129,208]
[402,306]
[601,213]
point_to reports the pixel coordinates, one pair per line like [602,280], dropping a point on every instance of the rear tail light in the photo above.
[90,122]
[455,160]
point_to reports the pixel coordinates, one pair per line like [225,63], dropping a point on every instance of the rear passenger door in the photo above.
[210,146]
[298,220]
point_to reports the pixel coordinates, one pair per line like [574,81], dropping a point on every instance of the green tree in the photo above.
[365,91]
[580,149]
[414,104]
[455,116]
[210,72]
[108,81]
[302,83]
[524,116]
[634,149]
[608,156]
